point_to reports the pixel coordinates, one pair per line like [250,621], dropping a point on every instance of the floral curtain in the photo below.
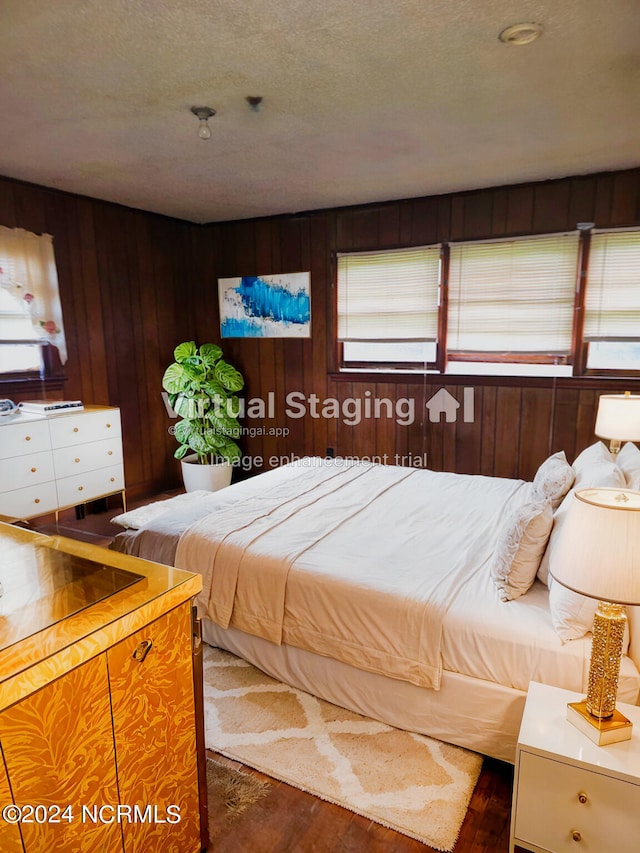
[28,273]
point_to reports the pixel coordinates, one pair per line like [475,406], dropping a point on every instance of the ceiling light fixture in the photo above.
[255,102]
[521,33]
[204,114]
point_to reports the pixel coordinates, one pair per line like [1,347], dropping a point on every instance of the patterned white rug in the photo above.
[411,783]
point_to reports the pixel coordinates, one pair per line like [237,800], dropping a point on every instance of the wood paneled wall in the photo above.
[517,422]
[135,284]
[124,284]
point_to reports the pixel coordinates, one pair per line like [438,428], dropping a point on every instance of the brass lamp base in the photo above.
[596,716]
[602,732]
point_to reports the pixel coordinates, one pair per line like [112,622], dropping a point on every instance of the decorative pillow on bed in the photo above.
[595,466]
[521,543]
[628,462]
[143,515]
[554,478]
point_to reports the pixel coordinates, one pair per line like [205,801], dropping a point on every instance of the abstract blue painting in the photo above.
[265,306]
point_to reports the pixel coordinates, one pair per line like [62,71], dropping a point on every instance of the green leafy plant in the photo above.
[202,387]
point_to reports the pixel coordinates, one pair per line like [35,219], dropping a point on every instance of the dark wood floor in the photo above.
[288,820]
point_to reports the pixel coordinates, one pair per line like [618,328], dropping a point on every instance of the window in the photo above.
[388,306]
[550,305]
[512,300]
[612,301]
[30,312]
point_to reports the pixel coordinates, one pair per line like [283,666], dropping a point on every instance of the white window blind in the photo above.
[612,298]
[389,296]
[513,296]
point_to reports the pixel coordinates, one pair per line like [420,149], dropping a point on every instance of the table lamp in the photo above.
[598,556]
[618,419]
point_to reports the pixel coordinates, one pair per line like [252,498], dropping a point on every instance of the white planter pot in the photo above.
[207,477]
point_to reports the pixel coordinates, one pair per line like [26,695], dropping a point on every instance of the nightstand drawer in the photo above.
[20,439]
[70,461]
[79,428]
[557,800]
[93,484]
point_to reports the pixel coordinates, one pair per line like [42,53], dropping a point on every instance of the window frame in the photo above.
[576,358]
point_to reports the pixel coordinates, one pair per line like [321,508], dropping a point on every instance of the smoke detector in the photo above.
[521,33]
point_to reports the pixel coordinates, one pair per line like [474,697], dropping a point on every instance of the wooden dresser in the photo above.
[101,718]
[56,461]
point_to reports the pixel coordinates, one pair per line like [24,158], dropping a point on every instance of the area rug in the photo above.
[231,792]
[411,783]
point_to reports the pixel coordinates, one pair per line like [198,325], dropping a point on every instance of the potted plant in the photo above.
[201,387]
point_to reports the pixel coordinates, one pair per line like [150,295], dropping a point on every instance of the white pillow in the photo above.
[521,543]
[137,518]
[595,466]
[554,478]
[628,462]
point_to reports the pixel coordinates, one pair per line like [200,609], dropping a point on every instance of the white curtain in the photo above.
[28,273]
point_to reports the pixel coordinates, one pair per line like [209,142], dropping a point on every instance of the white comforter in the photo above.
[353,561]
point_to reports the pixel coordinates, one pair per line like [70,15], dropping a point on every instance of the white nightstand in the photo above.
[568,793]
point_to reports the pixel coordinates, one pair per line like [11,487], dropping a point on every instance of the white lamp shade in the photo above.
[619,417]
[599,549]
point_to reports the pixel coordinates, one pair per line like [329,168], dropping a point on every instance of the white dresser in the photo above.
[570,794]
[51,462]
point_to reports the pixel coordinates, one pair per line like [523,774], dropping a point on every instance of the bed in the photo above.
[378,588]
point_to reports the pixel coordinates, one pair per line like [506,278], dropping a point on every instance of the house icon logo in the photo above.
[444,403]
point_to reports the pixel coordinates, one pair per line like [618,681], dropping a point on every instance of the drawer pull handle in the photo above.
[36,500]
[33,470]
[112,479]
[582,797]
[75,429]
[109,452]
[577,836]
[108,426]
[80,488]
[27,438]
[142,650]
[77,459]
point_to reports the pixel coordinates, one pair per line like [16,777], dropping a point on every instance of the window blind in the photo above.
[389,296]
[612,297]
[513,295]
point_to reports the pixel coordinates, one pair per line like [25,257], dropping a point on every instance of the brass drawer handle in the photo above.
[75,429]
[582,797]
[108,426]
[576,835]
[33,470]
[142,650]
[112,479]
[80,488]
[27,438]
[36,500]
[109,452]
[77,459]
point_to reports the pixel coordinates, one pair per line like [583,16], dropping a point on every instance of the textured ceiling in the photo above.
[364,100]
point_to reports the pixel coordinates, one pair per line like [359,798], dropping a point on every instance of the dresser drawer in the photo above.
[25,470]
[92,484]
[20,439]
[69,461]
[29,502]
[81,427]
[550,808]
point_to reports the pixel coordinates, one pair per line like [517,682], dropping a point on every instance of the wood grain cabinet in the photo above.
[569,794]
[63,460]
[101,717]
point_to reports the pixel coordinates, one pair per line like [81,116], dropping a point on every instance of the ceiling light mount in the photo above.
[523,33]
[255,102]
[204,114]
